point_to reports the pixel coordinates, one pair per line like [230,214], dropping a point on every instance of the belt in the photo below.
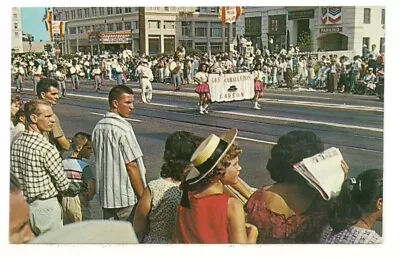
[144,77]
[31,200]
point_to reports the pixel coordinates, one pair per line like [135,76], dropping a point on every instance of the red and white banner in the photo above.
[231,87]
[331,15]
[229,14]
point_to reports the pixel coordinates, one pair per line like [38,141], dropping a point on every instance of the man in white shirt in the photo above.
[145,78]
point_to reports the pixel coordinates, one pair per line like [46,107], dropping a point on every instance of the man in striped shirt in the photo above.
[118,158]
[38,166]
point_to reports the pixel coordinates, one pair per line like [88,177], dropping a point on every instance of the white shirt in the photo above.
[201,76]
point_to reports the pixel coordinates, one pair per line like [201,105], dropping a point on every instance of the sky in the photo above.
[32,23]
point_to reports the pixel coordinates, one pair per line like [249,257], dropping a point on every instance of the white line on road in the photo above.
[129,119]
[302,121]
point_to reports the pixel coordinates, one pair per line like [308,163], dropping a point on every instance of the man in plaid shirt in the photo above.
[38,166]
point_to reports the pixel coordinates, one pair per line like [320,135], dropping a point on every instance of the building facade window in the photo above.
[128,9]
[118,10]
[169,44]
[118,26]
[216,47]
[202,46]
[201,29]
[102,27]
[72,30]
[367,15]
[79,11]
[154,24]
[213,9]
[88,28]
[154,44]
[169,25]
[15,25]
[87,14]
[110,27]
[203,9]
[66,15]
[80,29]
[101,11]
[383,16]
[366,42]
[128,25]
[216,29]
[186,28]
[134,25]
[109,10]
[15,16]
[73,14]
[16,34]
[382,44]
[94,11]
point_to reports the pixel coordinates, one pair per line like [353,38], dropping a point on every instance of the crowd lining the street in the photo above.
[192,200]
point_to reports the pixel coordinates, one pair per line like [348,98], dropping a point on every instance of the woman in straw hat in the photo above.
[202,88]
[206,214]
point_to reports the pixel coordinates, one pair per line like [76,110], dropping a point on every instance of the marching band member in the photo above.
[120,73]
[203,88]
[145,76]
[97,76]
[74,71]
[60,76]
[18,73]
[37,75]
[176,69]
[258,85]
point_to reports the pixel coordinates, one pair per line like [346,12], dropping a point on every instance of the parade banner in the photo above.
[231,87]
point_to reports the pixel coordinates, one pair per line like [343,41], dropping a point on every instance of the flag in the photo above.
[331,15]
[230,14]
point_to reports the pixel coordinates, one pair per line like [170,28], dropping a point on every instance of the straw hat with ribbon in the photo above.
[205,158]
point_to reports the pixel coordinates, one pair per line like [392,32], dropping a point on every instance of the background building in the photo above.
[16,30]
[314,28]
[98,29]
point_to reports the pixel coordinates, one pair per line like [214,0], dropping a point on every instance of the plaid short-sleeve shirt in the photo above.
[38,166]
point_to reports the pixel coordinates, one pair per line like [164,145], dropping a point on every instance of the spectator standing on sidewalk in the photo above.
[38,166]
[176,70]
[75,203]
[118,158]
[157,209]
[47,90]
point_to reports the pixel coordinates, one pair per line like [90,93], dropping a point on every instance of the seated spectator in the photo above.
[155,215]
[291,210]
[353,213]
[75,204]
[206,214]
[20,230]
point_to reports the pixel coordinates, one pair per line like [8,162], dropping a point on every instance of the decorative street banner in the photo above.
[231,87]
[331,15]
[230,14]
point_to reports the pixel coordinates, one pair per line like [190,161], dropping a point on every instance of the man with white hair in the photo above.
[145,78]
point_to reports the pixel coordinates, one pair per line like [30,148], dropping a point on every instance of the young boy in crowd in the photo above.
[82,181]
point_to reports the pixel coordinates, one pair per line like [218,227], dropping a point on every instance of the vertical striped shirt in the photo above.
[115,145]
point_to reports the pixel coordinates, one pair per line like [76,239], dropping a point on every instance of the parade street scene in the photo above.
[197,125]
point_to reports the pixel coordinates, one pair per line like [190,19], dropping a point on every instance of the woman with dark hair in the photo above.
[207,215]
[155,215]
[353,213]
[203,88]
[291,210]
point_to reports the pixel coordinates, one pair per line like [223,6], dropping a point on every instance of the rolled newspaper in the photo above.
[242,191]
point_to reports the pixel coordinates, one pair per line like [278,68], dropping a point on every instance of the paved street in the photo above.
[352,123]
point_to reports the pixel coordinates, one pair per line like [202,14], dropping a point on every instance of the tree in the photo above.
[304,42]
